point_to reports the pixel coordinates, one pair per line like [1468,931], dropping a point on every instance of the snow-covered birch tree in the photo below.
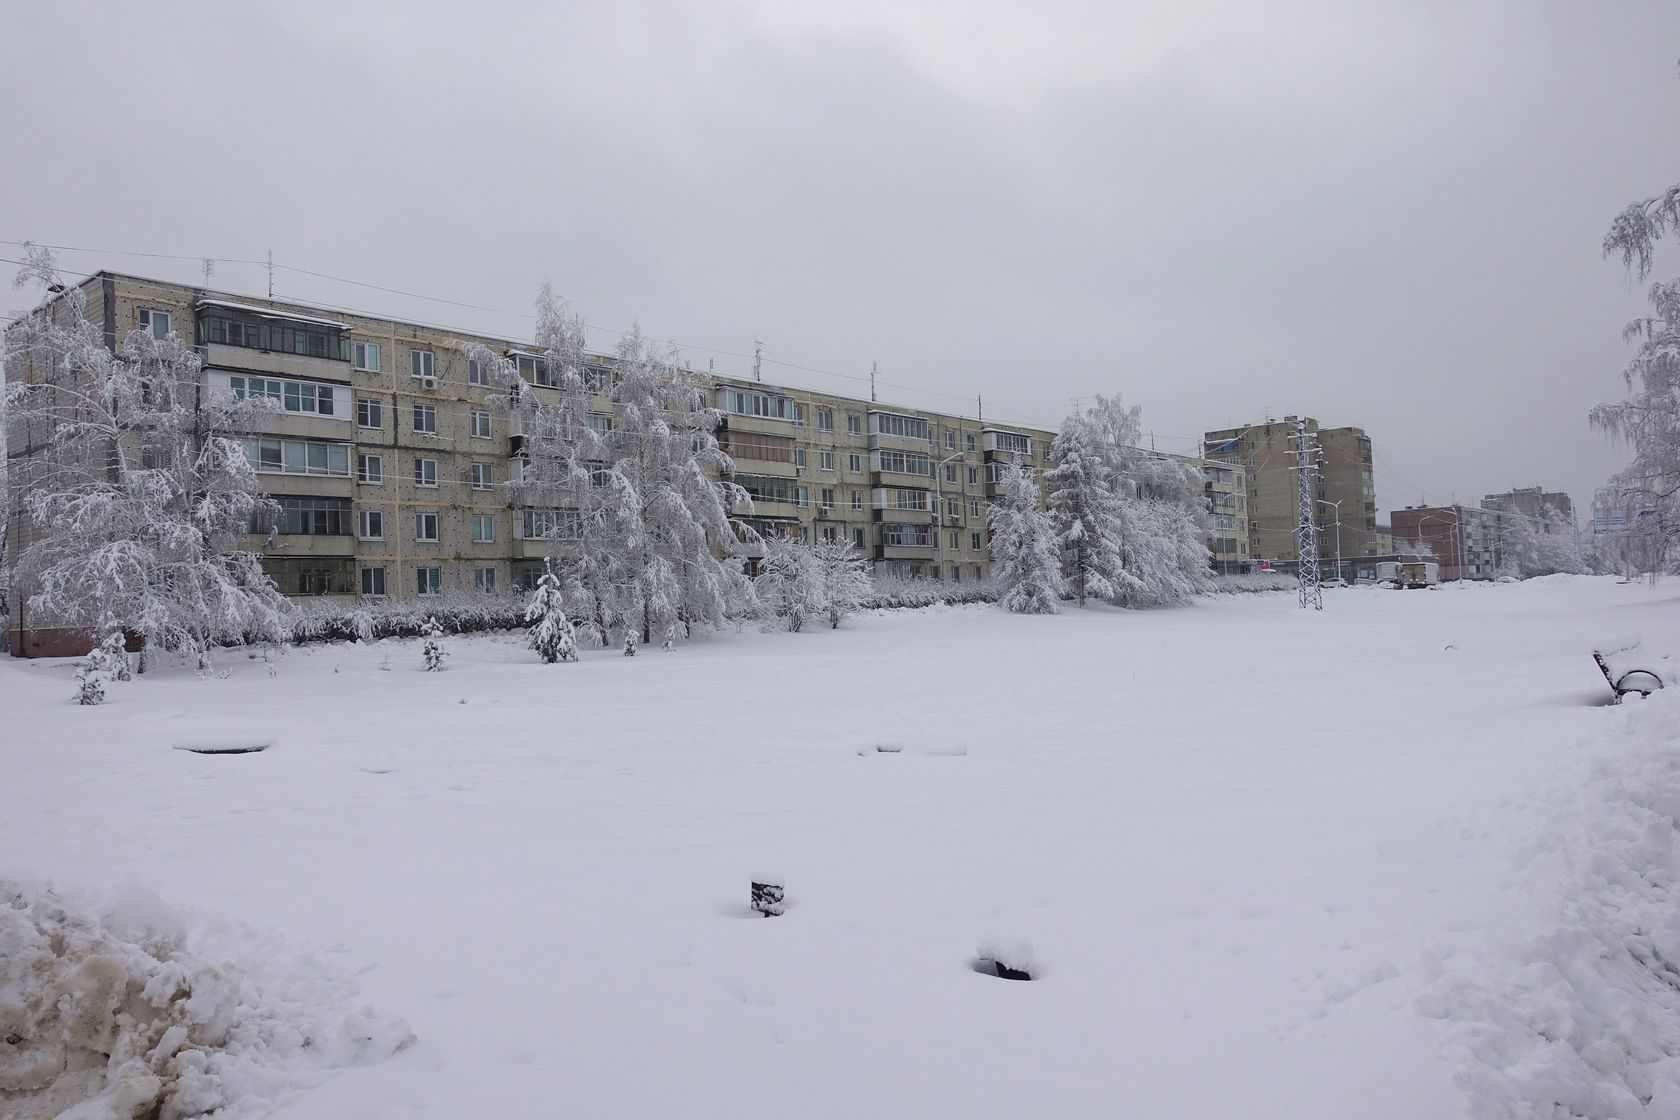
[789,583]
[1025,563]
[141,489]
[845,580]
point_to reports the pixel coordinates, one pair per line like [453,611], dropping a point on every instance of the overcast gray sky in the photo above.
[1385,215]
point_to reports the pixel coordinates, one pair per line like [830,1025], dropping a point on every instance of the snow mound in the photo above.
[1582,1019]
[117,1012]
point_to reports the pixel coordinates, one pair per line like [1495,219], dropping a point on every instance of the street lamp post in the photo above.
[1337,506]
[939,504]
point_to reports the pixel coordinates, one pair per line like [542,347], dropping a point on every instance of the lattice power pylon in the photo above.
[1306,467]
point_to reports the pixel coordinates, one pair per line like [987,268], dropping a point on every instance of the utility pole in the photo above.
[979,408]
[209,267]
[873,368]
[1306,510]
[271,274]
[758,359]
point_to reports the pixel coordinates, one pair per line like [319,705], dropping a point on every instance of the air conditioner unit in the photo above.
[428,383]
[825,511]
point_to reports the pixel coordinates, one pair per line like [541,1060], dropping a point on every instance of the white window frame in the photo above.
[479,418]
[420,524]
[370,408]
[416,412]
[825,419]
[367,572]
[799,458]
[360,352]
[482,476]
[374,477]
[425,586]
[484,579]
[477,373]
[420,473]
[974,541]
[489,523]
[854,462]
[857,499]
[148,319]
[366,520]
[421,364]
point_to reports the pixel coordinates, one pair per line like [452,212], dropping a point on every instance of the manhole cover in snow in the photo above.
[225,746]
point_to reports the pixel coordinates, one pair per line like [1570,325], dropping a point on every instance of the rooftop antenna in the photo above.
[711,365]
[758,359]
[979,408]
[873,369]
[271,274]
[209,267]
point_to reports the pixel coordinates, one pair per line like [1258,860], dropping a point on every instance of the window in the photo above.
[854,463]
[479,422]
[828,497]
[825,419]
[370,525]
[298,456]
[974,507]
[370,413]
[307,575]
[950,472]
[799,415]
[309,516]
[970,439]
[1011,442]
[902,462]
[854,424]
[597,379]
[425,420]
[425,526]
[905,427]
[952,507]
[857,536]
[300,396]
[255,388]
[831,534]
[366,358]
[483,528]
[477,373]
[428,581]
[743,402]
[311,342]
[425,472]
[550,524]
[950,440]
[751,445]
[155,321]
[799,457]
[370,469]
[900,535]
[857,499]
[601,423]
[481,476]
[974,476]
[974,542]
[420,365]
[222,328]
[953,536]
[484,579]
[527,575]
[373,581]
[825,460]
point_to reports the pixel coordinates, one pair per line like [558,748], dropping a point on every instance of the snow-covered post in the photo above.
[551,633]
[1024,556]
[432,652]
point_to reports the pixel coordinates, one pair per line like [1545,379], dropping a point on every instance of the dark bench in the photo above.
[1628,666]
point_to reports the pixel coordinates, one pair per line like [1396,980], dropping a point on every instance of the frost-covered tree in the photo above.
[140,491]
[113,656]
[790,583]
[1176,566]
[551,633]
[845,580]
[1648,419]
[1025,563]
[1543,547]
[671,549]
[90,680]
[1082,503]
[432,652]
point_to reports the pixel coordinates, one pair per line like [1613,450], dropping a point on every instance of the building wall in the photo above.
[1532,502]
[1468,542]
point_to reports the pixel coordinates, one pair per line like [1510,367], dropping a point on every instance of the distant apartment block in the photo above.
[1467,542]
[1343,488]
[1532,502]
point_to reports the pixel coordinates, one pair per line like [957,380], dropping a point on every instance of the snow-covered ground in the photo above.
[1269,864]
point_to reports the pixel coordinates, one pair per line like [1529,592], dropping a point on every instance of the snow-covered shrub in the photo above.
[844,580]
[895,592]
[90,680]
[115,1011]
[789,584]
[629,641]
[324,620]
[1236,583]
[113,656]
[551,633]
[361,624]
[432,652]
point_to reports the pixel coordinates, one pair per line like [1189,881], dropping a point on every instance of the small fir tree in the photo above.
[551,633]
[432,652]
[90,679]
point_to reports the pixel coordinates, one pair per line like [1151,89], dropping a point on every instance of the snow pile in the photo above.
[109,1014]
[1583,1018]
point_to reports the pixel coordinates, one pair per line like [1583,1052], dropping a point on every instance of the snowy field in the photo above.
[1271,864]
